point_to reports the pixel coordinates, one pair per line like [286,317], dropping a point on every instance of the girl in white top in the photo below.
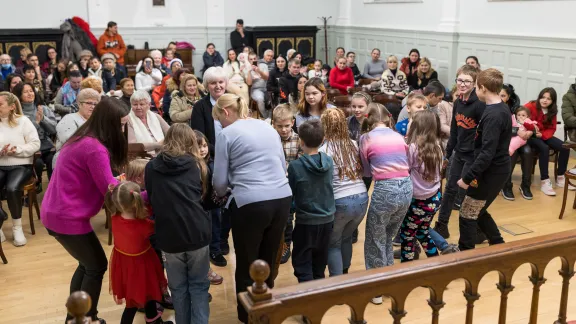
[349,189]
[239,76]
[148,77]
[318,72]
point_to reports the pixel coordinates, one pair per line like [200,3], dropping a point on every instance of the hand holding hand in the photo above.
[462,185]
[39,114]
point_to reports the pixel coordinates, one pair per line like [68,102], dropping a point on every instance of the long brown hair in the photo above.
[552,109]
[105,125]
[425,133]
[126,198]
[180,140]
[303,105]
[344,153]
[377,113]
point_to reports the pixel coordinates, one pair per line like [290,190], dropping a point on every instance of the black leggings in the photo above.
[92,265]
[129,313]
[14,178]
[45,158]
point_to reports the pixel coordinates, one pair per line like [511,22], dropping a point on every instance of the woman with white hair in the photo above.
[145,126]
[156,57]
[290,53]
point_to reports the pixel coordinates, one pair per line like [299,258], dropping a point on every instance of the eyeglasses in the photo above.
[89,103]
[464,82]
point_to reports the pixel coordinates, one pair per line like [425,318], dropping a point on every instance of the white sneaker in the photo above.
[2,237]
[17,233]
[377,300]
[561,181]
[546,188]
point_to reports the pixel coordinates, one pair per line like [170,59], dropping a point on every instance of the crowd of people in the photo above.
[292,184]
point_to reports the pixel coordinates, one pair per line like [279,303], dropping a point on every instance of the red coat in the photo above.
[342,79]
[547,130]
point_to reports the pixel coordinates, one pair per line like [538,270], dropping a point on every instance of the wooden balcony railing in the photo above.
[313,299]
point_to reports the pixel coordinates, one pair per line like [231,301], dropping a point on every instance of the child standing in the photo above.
[310,179]
[491,167]
[425,156]
[414,103]
[350,194]
[523,122]
[383,154]
[283,122]
[136,275]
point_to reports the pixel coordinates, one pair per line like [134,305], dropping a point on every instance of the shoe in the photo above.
[451,248]
[397,241]
[218,260]
[2,237]
[224,248]
[442,229]
[456,206]
[39,187]
[480,236]
[546,188]
[215,279]
[525,191]
[285,254]
[507,193]
[17,233]
[157,320]
[345,271]
[167,301]
[377,300]
[561,181]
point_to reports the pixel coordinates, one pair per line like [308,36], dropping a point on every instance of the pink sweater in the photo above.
[77,187]
[384,154]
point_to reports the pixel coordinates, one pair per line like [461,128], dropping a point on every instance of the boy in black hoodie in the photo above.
[466,115]
[491,167]
[310,179]
[288,84]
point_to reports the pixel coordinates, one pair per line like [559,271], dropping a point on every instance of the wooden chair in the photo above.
[352,91]
[136,150]
[385,99]
[362,82]
[4,260]
[30,190]
[342,101]
[569,178]
[332,93]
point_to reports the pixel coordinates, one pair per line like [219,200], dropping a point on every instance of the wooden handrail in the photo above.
[313,299]
[78,304]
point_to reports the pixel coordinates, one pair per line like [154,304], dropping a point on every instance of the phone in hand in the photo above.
[255,63]
[148,64]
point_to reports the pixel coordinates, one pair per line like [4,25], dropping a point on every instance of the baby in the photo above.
[523,122]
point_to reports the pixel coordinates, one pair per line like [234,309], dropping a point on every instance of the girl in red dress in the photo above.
[136,275]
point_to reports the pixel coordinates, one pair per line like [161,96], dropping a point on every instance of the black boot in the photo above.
[525,191]
[442,229]
[480,236]
[507,192]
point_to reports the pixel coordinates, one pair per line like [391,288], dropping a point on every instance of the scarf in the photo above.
[68,94]
[393,71]
[141,131]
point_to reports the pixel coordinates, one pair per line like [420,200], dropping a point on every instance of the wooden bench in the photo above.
[133,56]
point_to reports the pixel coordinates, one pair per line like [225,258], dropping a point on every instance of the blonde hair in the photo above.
[233,102]
[126,198]
[377,114]
[135,169]
[390,57]
[430,70]
[199,87]
[413,97]
[92,82]
[282,112]
[362,95]
[11,99]
[345,154]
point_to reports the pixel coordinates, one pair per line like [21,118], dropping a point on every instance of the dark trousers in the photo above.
[543,148]
[216,231]
[225,226]
[257,231]
[310,254]
[524,153]
[13,178]
[289,229]
[474,211]
[45,158]
[92,265]
[460,165]
[129,313]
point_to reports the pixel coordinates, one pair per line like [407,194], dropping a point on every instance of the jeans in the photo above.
[46,157]
[259,95]
[460,165]
[440,242]
[216,231]
[416,226]
[543,147]
[350,211]
[526,157]
[189,285]
[310,253]
[13,178]
[257,231]
[92,265]
[390,201]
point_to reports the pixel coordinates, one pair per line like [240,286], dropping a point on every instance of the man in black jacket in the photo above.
[289,84]
[239,38]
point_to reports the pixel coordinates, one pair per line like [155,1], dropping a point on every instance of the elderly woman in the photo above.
[18,143]
[87,100]
[145,126]
[250,160]
[184,99]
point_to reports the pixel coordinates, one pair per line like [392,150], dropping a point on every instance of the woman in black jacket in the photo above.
[279,71]
[211,58]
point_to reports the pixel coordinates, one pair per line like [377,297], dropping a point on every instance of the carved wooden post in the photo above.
[471,297]
[537,281]
[397,311]
[505,289]
[259,272]
[436,306]
[566,274]
[78,304]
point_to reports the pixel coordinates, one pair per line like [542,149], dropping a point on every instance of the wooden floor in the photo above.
[34,284]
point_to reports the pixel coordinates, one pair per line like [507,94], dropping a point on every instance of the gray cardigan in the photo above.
[249,159]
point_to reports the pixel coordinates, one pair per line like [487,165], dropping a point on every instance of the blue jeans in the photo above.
[188,282]
[216,230]
[350,211]
[440,242]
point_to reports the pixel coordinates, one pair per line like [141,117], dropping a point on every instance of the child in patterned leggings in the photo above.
[425,156]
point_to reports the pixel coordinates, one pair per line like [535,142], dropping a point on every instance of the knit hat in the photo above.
[86,53]
[176,60]
[108,56]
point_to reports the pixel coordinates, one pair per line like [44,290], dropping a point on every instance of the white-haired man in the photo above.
[269,60]
[6,67]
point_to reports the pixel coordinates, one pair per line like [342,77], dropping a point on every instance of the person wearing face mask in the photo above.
[65,101]
[7,68]
[211,57]
[279,71]
[410,67]
[111,76]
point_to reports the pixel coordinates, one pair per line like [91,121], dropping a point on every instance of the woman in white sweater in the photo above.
[148,77]
[18,143]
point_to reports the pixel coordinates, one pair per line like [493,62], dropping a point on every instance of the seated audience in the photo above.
[156,56]
[51,61]
[92,83]
[569,112]
[237,70]
[184,99]
[294,99]
[168,56]
[268,59]
[111,76]
[259,74]
[211,57]
[318,72]
[24,52]
[111,42]
[247,50]
[425,73]
[290,54]
[172,85]
[32,60]
[65,101]
[143,125]
[393,81]
[410,67]
[288,84]
[72,67]
[148,77]
[127,90]
[350,62]
[30,77]
[340,52]
[279,71]
[342,77]
[18,143]
[160,92]
[59,74]
[374,68]
[84,62]
[473,60]
[45,122]
[6,68]
[95,67]
[314,102]
[11,81]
